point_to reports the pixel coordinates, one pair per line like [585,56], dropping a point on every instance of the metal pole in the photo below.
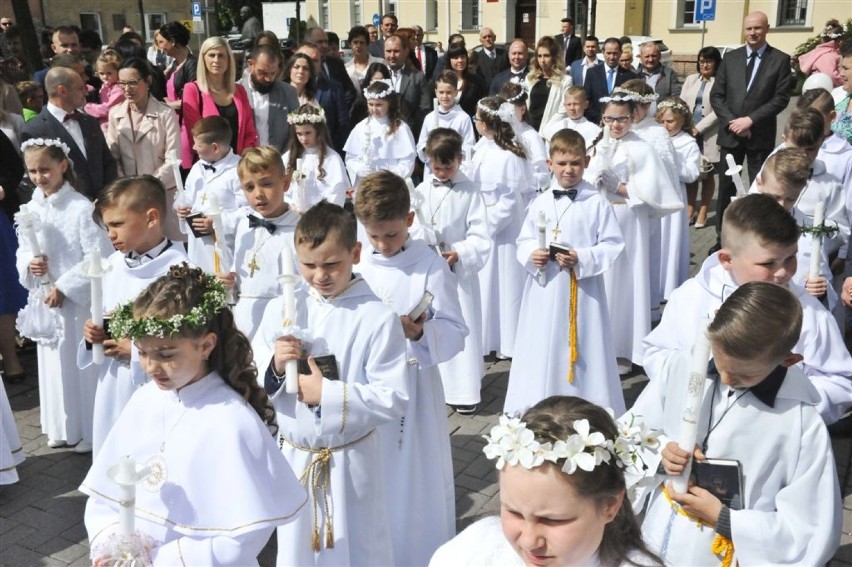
[298,23]
[142,18]
[703,31]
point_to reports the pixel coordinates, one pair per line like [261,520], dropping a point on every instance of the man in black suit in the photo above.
[517,70]
[492,59]
[572,47]
[271,99]
[332,67]
[425,57]
[752,87]
[601,79]
[415,100]
[390,24]
[94,165]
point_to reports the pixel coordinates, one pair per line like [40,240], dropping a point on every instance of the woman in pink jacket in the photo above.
[825,57]
[215,92]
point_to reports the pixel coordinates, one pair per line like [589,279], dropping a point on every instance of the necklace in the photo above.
[436,209]
[556,230]
[156,464]
[712,426]
[253,265]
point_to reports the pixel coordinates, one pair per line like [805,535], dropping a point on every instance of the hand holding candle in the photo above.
[692,404]
[734,171]
[606,147]
[541,223]
[288,280]
[174,160]
[816,242]
[26,222]
[96,268]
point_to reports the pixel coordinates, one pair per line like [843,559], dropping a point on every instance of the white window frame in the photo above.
[150,29]
[806,21]
[325,15]
[680,21]
[97,16]
[431,16]
[470,15]
[355,13]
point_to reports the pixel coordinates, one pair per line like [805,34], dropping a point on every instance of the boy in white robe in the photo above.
[215,173]
[131,210]
[759,244]
[564,310]
[260,237]
[450,216]
[571,116]
[447,114]
[331,430]
[416,450]
[758,409]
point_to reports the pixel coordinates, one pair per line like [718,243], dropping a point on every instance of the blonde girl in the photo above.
[111,93]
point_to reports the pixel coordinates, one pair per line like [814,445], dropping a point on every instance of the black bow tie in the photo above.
[255,222]
[71,116]
[570,193]
[438,183]
[208,167]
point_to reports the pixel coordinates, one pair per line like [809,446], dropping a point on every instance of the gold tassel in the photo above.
[315,540]
[329,535]
[724,547]
[572,330]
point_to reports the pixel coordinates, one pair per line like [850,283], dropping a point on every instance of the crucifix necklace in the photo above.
[253,265]
[436,209]
[556,230]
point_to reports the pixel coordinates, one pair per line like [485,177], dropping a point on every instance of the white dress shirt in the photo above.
[73,126]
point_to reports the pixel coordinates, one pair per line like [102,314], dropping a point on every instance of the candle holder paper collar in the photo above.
[315,116]
[47,142]
[511,442]
[213,300]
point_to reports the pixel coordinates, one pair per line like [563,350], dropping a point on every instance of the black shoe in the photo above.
[466,410]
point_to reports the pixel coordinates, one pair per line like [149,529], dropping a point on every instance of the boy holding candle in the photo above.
[789,507]
[329,430]
[260,236]
[759,244]
[131,210]
[215,173]
[555,355]
[415,450]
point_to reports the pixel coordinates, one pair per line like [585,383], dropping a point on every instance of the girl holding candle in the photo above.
[203,388]
[382,140]
[65,233]
[316,171]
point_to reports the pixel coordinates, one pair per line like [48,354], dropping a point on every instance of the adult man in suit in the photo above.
[662,79]
[332,67]
[94,165]
[492,59]
[415,100]
[601,79]
[580,67]
[389,25]
[425,56]
[517,70]
[271,99]
[331,98]
[572,47]
[752,87]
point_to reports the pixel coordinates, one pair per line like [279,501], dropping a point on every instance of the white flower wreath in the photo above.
[47,142]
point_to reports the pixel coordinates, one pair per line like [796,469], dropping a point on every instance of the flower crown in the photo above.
[377,96]
[296,118]
[518,96]
[47,142]
[506,111]
[214,299]
[673,104]
[511,442]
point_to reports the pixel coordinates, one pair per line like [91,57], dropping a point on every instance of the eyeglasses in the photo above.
[704,63]
[618,119]
[129,84]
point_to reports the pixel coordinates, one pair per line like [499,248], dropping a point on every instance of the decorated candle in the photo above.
[95,270]
[734,171]
[288,286]
[541,223]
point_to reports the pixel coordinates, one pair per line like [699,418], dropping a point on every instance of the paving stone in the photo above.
[71,552]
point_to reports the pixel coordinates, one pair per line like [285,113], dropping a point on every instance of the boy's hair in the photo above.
[448,77]
[212,130]
[382,196]
[760,319]
[324,219]
[791,167]
[760,217]
[805,128]
[444,145]
[137,193]
[576,92]
[28,89]
[262,158]
[820,99]
[567,141]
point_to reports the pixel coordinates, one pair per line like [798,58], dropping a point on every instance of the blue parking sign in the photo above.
[196,9]
[705,10]
[376,20]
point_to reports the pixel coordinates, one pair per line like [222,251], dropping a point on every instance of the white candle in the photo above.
[816,242]
[435,107]
[25,221]
[606,147]
[734,171]
[96,271]
[288,285]
[541,223]
[174,160]
[126,480]
[692,404]
[607,136]
[299,200]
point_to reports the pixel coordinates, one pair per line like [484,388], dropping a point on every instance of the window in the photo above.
[470,15]
[391,8]
[355,13]
[792,12]
[324,19]
[431,15]
[688,16]
[153,22]
[91,21]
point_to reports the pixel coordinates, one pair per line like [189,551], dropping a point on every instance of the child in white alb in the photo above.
[447,114]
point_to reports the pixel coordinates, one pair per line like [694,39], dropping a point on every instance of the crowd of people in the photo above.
[297,266]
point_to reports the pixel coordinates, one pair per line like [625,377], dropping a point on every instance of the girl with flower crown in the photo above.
[315,170]
[500,168]
[382,140]
[562,492]
[631,175]
[62,221]
[676,118]
[208,430]
[532,142]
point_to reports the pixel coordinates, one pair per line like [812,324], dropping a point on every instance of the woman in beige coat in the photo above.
[143,133]
[696,94]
